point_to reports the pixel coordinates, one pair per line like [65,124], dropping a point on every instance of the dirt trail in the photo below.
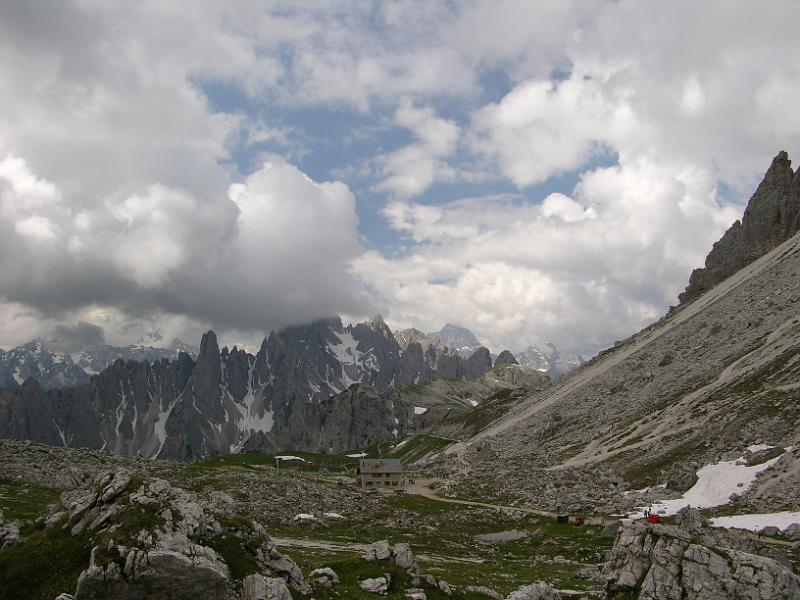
[421,489]
[331,546]
[586,374]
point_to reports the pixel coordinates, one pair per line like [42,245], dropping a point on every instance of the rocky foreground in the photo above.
[115,527]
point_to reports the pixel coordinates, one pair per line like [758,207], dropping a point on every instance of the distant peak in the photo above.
[208,345]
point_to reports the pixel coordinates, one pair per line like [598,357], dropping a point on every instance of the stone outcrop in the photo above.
[772,216]
[153,540]
[664,562]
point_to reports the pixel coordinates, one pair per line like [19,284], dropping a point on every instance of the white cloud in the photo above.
[543,128]
[277,251]
[412,169]
[579,271]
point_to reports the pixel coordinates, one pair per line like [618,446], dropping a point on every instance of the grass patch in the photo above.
[25,502]
[45,565]
[236,554]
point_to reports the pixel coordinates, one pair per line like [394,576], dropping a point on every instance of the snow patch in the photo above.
[160,426]
[352,359]
[18,376]
[332,515]
[473,402]
[359,455]
[289,457]
[759,447]
[61,435]
[715,485]
[420,410]
[304,517]
[781,520]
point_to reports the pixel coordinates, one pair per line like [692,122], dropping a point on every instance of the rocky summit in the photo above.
[772,216]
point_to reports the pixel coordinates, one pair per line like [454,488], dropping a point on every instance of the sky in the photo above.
[535,171]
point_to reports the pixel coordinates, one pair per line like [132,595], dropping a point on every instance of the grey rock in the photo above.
[324,576]
[380,550]
[536,591]
[661,562]
[484,591]
[416,594]
[162,574]
[793,532]
[403,556]
[375,585]
[9,535]
[258,587]
[444,587]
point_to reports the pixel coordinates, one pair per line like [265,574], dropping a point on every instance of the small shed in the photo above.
[384,473]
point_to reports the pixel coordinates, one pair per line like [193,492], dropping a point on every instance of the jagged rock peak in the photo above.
[772,216]
[505,358]
[209,347]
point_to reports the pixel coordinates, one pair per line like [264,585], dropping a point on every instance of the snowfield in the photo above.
[715,485]
[781,520]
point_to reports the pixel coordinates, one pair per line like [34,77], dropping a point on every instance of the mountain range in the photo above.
[301,379]
[55,366]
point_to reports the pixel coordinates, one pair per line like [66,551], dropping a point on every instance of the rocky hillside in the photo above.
[712,383]
[189,409]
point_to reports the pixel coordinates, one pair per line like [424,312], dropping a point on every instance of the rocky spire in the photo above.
[772,216]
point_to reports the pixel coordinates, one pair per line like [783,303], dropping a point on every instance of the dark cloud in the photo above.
[76,337]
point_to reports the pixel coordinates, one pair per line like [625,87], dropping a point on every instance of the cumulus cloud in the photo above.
[412,169]
[576,270]
[275,251]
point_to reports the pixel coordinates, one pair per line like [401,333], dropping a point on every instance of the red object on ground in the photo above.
[654,519]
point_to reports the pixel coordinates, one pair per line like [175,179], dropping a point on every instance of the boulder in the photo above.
[258,587]
[416,594]
[536,591]
[268,557]
[485,591]
[376,585]
[793,532]
[378,551]
[325,577]
[156,574]
[444,587]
